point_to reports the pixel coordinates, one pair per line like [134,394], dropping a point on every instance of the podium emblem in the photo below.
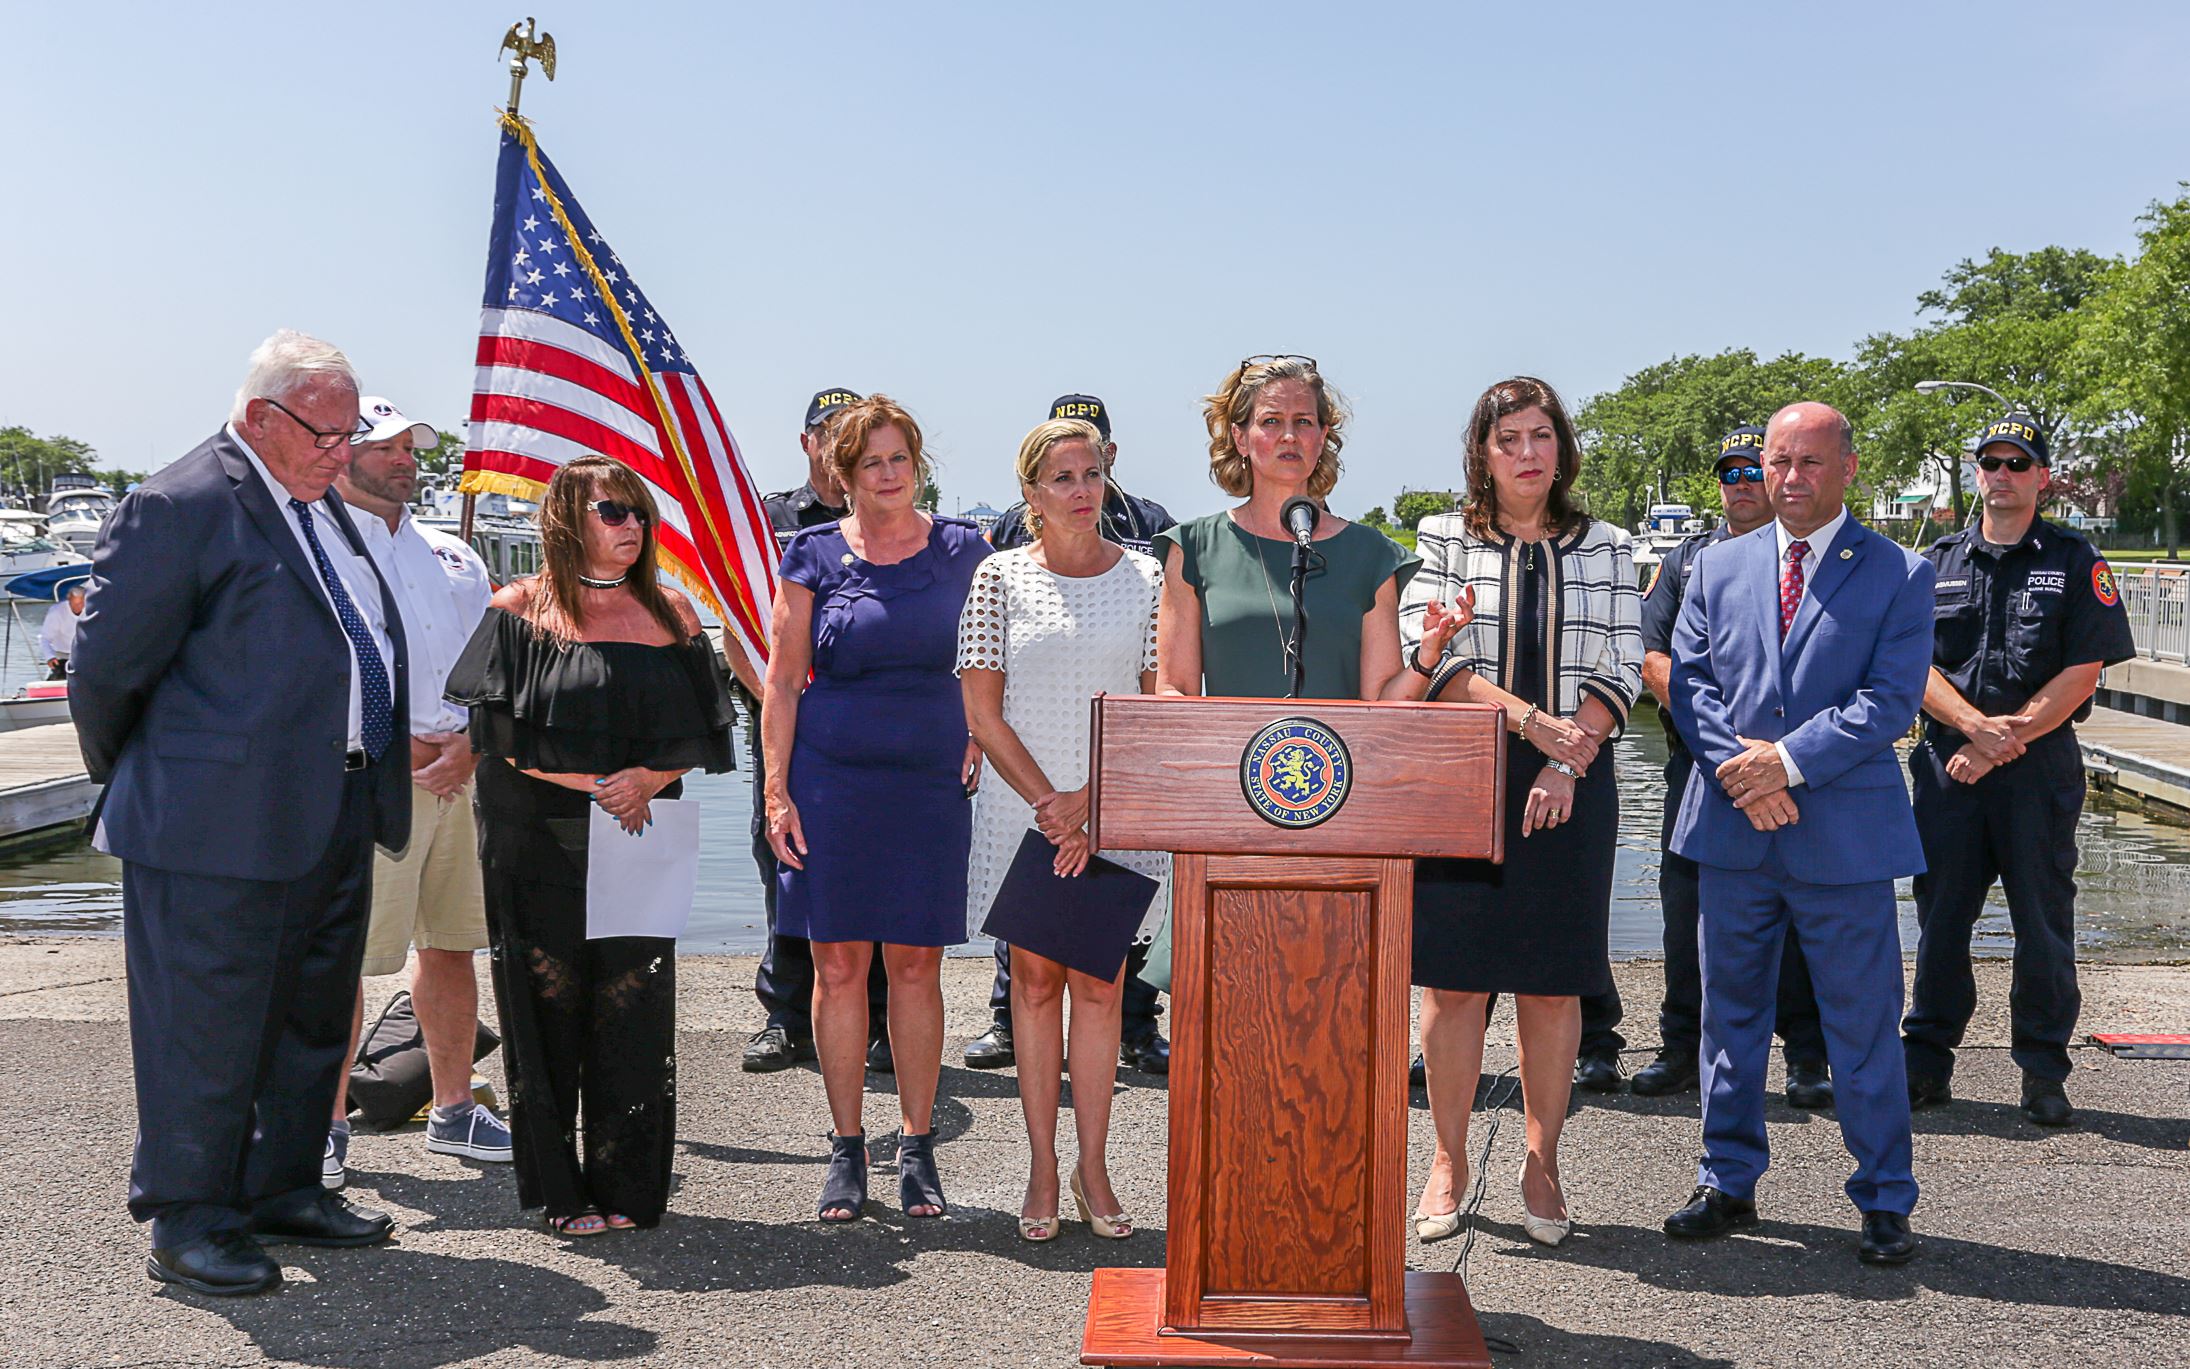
[1295,773]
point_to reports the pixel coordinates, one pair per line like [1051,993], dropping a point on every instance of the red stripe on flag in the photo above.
[517,354]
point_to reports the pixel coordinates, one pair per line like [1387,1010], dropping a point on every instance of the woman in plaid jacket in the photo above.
[1556,640]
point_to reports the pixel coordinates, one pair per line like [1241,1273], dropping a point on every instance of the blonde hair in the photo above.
[850,426]
[1035,448]
[1234,404]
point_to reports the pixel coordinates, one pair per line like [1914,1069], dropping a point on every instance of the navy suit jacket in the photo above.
[1839,693]
[210,683]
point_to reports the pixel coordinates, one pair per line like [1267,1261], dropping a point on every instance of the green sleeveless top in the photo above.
[1246,610]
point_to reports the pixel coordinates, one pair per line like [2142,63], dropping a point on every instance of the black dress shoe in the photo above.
[2046,1103]
[326,1219]
[1809,1087]
[225,1264]
[773,1048]
[1599,1074]
[1928,1090]
[991,1050]
[1711,1213]
[1666,1074]
[1886,1239]
[1418,1074]
[879,1058]
[1148,1053]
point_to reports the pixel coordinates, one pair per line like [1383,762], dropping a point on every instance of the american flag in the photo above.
[574,360]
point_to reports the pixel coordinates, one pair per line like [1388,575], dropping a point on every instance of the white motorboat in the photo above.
[25,547]
[1667,526]
[75,508]
[35,705]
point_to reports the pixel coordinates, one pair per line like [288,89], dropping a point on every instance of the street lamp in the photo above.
[1932,387]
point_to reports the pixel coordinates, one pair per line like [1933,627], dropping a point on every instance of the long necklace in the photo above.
[590,583]
[1269,587]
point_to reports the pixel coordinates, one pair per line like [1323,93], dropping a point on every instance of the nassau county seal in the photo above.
[1295,772]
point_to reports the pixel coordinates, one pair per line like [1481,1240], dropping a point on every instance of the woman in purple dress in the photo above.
[869,770]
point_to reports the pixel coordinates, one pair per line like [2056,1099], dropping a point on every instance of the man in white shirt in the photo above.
[57,635]
[430,896]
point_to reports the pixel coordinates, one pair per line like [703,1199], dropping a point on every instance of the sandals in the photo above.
[1116,1227]
[587,1222]
[844,1188]
[918,1185]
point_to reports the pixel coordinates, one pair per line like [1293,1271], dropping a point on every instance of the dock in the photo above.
[2144,757]
[43,787]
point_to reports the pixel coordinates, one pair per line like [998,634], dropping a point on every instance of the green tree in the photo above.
[28,462]
[1376,518]
[2135,354]
[445,457]
[1412,506]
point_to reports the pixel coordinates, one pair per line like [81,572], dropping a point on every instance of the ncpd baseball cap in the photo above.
[827,402]
[1086,407]
[1746,442]
[2019,431]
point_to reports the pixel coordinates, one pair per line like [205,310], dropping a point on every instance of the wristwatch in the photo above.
[1414,663]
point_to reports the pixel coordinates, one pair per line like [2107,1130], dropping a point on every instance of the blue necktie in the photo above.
[378,706]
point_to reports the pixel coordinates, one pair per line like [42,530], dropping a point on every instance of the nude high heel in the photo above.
[1116,1227]
[1542,1230]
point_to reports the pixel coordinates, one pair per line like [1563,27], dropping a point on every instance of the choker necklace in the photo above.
[590,583]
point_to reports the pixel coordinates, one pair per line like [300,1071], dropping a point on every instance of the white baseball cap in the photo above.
[386,421]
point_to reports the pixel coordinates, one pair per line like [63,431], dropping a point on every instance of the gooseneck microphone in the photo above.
[1300,516]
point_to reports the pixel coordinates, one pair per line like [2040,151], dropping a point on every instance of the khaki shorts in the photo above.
[431,897]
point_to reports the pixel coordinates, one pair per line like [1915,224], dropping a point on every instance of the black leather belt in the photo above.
[356,760]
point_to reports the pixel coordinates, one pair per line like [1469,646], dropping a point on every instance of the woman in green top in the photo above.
[1226,612]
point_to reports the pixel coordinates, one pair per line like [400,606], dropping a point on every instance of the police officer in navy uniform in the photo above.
[1680,1017]
[784,983]
[2027,615]
[1129,521]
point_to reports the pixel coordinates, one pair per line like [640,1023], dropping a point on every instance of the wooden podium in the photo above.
[1295,823]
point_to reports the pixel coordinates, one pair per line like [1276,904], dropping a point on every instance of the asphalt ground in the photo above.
[2039,1247]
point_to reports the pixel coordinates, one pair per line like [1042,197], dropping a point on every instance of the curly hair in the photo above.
[1479,511]
[850,426]
[1234,404]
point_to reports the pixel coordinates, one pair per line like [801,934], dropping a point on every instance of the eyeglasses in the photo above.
[326,439]
[1734,475]
[1273,358]
[613,513]
[2017,464]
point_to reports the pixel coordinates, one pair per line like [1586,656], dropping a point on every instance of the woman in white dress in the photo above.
[1045,627]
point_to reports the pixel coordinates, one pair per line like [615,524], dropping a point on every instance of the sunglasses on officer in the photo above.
[614,512]
[2017,464]
[1734,475]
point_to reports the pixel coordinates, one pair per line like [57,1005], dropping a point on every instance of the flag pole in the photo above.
[525,44]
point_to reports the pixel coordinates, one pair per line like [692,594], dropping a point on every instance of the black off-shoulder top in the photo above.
[593,707]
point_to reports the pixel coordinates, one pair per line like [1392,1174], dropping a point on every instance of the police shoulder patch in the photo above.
[1655,571]
[1295,772]
[2103,587]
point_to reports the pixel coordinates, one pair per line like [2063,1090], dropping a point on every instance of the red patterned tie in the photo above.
[1790,586]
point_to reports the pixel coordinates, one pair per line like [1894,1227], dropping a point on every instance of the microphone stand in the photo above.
[1296,649]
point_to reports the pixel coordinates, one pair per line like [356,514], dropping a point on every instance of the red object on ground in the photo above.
[2144,1045]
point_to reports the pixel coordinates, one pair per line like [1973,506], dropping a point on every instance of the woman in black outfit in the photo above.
[589,683]
[1556,640]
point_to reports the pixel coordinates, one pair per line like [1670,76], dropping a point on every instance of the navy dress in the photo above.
[881,738]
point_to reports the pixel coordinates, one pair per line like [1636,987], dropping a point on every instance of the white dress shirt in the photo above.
[1818,543]
[57,635]
[441,590]
[358,580]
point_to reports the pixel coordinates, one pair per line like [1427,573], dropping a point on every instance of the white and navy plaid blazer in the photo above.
[1593,643]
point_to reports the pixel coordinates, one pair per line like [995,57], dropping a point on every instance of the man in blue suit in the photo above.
[1799,659]
[239,686]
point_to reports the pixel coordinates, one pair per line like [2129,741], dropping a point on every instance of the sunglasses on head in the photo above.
[2017,464]
[1734,475]
[614,512]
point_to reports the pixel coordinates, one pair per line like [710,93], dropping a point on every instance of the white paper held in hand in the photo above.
[642,885]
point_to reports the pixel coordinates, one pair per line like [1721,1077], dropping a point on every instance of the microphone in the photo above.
[1300,516]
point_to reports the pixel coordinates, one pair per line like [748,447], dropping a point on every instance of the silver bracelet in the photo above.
[1563,768]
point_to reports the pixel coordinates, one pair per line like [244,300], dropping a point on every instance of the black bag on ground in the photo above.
[390,1080]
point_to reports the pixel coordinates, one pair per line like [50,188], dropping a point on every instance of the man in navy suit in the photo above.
[1799,659]
[239,686]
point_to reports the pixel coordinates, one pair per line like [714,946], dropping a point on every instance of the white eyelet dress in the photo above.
[1059,640]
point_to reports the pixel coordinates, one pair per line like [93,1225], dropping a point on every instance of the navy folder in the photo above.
[1085,922]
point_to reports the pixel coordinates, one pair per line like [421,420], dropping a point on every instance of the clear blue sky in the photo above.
[977,207]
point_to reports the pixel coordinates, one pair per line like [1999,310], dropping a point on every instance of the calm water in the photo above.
[2135,874]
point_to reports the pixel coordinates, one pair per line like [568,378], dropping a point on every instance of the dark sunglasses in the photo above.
[2017,464]
[1273,358]
[1734,475]
[613,513]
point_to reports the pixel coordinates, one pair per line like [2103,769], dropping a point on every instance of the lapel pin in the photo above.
[847,558]
[1847,553]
